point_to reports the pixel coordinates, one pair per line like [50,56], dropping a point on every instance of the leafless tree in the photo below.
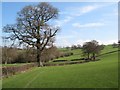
[93,48]
[86,49]
[32,27]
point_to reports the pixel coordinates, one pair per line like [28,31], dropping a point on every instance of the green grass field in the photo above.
[108,48]
[70,57]
[77,54]
[98,74]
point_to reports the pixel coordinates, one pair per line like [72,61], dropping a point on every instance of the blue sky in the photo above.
[79,22]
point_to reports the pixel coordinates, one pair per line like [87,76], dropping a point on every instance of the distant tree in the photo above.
[50,54]
[86,49]
[5,55]
[8,54]
[78,46]
[93,48]
[96,48]
[29,53]
[67,47]
[32,27]
[115,45]
[74,47]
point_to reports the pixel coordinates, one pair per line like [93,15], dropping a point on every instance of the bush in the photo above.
[68,54]
[12,70]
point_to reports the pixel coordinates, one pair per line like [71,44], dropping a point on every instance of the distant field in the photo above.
[70,57]
[108,48]
[77,53]
[99,74]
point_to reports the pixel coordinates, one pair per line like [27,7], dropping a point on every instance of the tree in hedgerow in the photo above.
[86,49]
[32,27]
[92,48]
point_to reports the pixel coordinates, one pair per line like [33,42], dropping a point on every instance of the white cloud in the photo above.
[64,21]
[81,42]
[62,40]
[113,13]
[86,9]
[88,25]
[65,42]
[65,37]
[107,42]
[63,12]
[78,11]
[73,12]
[61,1]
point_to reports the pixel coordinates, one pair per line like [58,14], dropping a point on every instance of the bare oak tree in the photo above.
[93,48]
[32,27]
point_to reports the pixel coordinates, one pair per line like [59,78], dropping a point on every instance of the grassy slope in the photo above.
[108,48]
[103,73]
[77,53]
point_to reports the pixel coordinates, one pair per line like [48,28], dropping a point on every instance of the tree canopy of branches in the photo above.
[93,48]
[32,27]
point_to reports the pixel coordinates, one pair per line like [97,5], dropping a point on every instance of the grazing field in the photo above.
[77,54]
[98,74]
[108,48]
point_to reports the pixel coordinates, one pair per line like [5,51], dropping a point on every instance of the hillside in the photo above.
[99,74]
[77,55]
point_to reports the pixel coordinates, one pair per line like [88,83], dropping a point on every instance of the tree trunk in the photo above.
[5,61]
[88,56]
[38,57]
[40,64]
[38,48]
[94,56]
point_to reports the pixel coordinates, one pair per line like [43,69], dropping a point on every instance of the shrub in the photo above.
[12,70]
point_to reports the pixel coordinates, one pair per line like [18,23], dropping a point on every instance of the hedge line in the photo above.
[108,53]
[65,63]
[12,70]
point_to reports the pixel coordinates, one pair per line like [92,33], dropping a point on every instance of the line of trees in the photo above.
[73,47]
[27,55]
